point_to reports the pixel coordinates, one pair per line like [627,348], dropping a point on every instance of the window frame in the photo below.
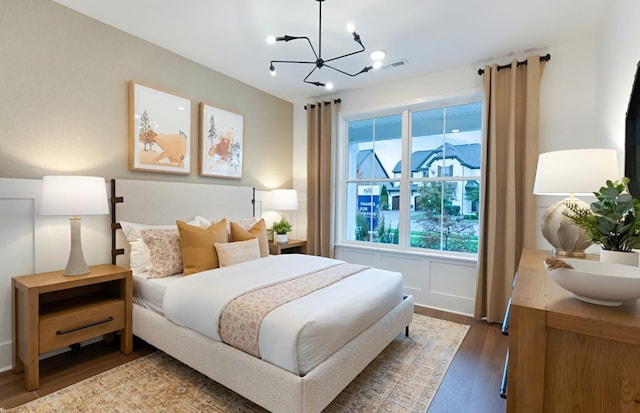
[342,179]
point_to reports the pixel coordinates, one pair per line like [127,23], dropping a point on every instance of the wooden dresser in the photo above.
[567,355]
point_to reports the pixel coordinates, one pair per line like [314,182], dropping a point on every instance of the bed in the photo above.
[285,377]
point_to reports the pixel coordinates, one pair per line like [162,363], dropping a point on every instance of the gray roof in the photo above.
[363,156]
[467,154]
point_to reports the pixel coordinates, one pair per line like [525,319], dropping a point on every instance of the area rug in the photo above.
[403,378]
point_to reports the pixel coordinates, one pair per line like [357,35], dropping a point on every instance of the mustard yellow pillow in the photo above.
[198,245]
[259,230]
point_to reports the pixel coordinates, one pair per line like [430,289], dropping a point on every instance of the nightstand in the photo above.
[292,247]
[51,311]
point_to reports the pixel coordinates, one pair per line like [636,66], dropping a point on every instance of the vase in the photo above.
[280,238]
[619,257]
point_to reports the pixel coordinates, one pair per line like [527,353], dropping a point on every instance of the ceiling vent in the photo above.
[397,63]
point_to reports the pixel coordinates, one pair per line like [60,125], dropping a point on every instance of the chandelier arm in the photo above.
[312,48]
[310,45]
[287,38]
[293,61]
[313,83]
[364,70]
[344,55]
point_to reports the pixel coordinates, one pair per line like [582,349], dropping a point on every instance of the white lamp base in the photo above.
[76,264]
[567,239]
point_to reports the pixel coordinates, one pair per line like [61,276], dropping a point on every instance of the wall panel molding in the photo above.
[30,243]
[442,283]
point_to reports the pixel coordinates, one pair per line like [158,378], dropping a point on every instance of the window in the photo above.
[373,146]
[413,178]
[445,170]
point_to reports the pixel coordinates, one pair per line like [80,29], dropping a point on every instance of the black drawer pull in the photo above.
[505,322]
[71,330]
[505,372]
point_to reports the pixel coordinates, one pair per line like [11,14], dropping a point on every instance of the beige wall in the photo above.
[64,100]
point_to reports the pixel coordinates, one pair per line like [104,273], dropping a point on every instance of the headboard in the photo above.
[156,202]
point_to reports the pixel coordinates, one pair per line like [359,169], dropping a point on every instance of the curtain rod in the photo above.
[326,103]
[544,58]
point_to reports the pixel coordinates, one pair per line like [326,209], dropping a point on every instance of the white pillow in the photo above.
[201,222]
[139,256]
[230,253]
[245,223]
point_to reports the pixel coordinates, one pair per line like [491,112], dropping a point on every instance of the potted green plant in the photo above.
[280,230]
[613,221]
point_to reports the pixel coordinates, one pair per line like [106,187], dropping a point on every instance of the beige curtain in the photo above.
[511,113]
[321,125]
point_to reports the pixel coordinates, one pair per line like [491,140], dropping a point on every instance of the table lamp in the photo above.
[284,199]
[571,172]
[73,196]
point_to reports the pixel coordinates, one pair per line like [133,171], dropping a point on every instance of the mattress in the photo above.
[300,334]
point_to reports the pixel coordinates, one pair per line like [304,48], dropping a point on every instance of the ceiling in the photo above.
[229,36]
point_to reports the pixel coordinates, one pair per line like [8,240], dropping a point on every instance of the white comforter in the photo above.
[301,334]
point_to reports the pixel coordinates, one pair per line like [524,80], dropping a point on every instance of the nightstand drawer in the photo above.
[63,328]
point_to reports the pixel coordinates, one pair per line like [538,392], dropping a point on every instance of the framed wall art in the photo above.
[221,142]
[159,130]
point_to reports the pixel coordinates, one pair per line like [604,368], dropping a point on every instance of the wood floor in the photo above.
[470,385]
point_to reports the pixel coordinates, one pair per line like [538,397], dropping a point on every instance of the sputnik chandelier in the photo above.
[319,63]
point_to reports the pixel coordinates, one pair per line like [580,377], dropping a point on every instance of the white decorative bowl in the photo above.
[597,282]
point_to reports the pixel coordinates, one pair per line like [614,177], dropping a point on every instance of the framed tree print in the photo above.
[221,142]
[159,130]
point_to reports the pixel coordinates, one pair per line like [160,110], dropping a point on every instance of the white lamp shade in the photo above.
[577,171]
[284,199]
[73,195]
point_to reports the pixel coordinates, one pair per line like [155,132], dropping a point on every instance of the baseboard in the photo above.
[428,311]
[6,358]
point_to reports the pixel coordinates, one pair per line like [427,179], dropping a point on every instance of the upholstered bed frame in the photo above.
[272,387]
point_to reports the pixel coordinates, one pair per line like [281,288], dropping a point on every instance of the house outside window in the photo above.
[412,178]
[444,170]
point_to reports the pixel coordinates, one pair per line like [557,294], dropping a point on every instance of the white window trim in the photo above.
[341,163]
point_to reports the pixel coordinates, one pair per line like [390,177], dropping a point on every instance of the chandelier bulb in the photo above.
[272,69]
[328,85]
[271,39]
[351,28]
[377,55]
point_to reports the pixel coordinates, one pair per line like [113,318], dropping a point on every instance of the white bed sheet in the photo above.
[298,335]
[149,292]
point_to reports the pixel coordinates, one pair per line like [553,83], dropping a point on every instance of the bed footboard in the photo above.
[263,383]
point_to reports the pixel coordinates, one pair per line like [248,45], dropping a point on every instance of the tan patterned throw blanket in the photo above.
[241,319]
